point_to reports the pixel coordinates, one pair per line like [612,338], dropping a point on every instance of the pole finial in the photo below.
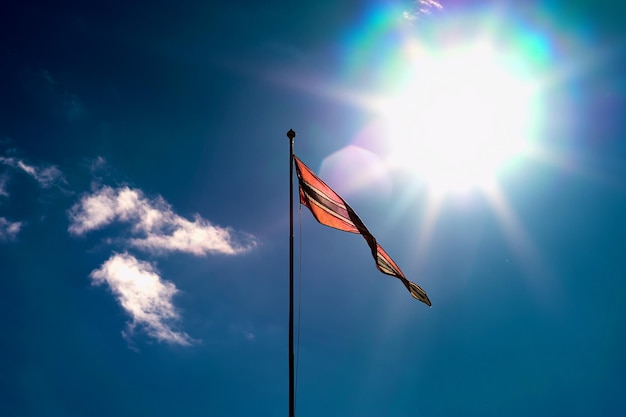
[291,134]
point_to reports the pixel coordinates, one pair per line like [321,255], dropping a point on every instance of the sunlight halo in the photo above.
[459,118]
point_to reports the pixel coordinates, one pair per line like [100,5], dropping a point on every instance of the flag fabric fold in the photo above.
[331,210]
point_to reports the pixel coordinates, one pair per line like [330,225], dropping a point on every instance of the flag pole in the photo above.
[291,135]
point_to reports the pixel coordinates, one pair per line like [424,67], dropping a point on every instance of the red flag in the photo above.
[331,210]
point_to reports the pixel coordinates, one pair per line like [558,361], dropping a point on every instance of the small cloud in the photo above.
[3,185]
[198,238]
[408,15]
[422,7]
[9,229]
[156,228]
[97,164]
[46,176]
[241,331]
[145,296]
[430,4]
[93,211]
[100,170]
[8,161]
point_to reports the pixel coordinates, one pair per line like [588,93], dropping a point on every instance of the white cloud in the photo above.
[9,229]
[45,176]
[422,7]
[144,295]
[93,211]
[155,227]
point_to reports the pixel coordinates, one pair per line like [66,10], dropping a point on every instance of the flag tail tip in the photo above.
[426,301]
[418,293]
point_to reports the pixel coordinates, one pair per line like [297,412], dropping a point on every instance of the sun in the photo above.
[461,116]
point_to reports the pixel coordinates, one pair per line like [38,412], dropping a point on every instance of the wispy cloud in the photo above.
[242,331]
[154,225]
[97,164]
[46,176]
[9,229]
[422,7]
[3,185]
[145,296]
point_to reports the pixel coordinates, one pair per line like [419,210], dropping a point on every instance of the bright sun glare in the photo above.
[460,118]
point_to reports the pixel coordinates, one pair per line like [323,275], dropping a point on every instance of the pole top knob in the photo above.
[291,134]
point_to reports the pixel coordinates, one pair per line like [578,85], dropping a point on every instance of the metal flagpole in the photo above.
[292,412]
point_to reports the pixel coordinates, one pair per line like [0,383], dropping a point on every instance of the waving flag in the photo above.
[331,210]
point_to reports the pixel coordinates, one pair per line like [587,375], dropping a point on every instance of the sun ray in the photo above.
[536,269]
[427,226]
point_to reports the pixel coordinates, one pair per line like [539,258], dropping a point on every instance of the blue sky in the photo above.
[144,208]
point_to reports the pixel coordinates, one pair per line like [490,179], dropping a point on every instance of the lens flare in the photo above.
[462,116]
[461,101]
